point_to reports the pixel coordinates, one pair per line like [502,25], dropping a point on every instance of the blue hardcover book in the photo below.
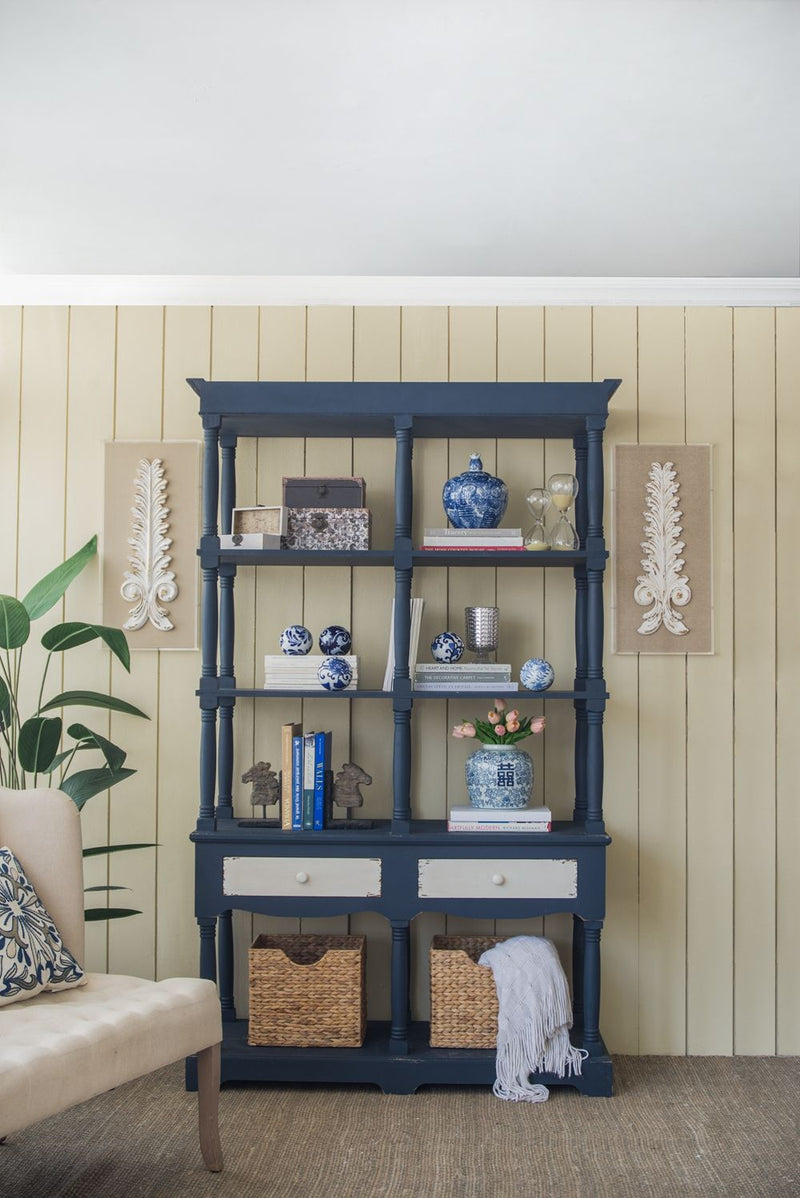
[322,762]
[309,739]
[297,783]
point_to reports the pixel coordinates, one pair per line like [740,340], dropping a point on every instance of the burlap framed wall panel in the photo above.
[662,601]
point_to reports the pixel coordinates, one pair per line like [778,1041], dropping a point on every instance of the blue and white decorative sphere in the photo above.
[537,674]
[296,640]
[475,499]
[335,640]
[335,674]
[447,647]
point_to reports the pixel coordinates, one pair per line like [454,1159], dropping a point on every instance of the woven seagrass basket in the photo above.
[463,994]
[308,990]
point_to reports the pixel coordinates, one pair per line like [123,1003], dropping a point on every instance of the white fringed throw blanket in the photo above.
[535,1017]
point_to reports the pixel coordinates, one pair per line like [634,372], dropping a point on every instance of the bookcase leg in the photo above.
[577,974]
[208,948]
[400,980]
[591,986]
[225,937]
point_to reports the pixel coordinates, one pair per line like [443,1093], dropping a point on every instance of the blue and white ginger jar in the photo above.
[447,647]
[537,674]
[499,776]
[334,641]
[475,499]
[296,640]
[335,674]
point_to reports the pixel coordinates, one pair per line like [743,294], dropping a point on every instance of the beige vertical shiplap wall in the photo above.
[699,951]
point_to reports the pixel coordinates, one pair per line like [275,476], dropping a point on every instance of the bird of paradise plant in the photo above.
[31,750]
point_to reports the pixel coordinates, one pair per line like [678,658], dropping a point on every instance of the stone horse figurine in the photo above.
[346,784]
[266,789]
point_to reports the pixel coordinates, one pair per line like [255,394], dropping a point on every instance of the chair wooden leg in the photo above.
[208,1106]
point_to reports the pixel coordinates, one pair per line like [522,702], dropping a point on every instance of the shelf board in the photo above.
[304,557]
[380,1063]
[346,409]
[243,692]
[423,832]
[248,692]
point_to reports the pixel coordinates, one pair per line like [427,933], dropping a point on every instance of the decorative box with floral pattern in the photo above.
[345,528]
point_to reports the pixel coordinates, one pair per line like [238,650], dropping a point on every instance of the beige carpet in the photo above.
[707,1126]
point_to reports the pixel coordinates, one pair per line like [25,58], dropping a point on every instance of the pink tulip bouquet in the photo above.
[501,727]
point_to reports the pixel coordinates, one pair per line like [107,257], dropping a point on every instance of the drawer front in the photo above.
[463,878]
[339,877]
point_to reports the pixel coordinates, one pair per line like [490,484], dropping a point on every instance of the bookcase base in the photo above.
[378,1063]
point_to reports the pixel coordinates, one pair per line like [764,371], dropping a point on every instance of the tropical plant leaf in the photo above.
[86,783]
[68,636]
[38,744]
[91,889]
[114,755]
[15,623]
[47,592]
[5,705]
[94,913]
[96,850]
[92,699]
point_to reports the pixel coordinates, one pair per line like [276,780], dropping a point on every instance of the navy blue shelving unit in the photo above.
[400,851]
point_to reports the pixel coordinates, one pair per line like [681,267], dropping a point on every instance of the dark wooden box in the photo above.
[323,492]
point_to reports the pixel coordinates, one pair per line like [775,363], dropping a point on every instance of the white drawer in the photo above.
[301,876]
[460,878]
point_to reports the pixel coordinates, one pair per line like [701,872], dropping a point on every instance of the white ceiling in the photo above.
[400,137]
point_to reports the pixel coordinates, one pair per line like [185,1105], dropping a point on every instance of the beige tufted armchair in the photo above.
[58,1049]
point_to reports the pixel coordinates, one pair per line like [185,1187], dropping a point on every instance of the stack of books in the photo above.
[306,778]
[496,819]
[503,540]
[282,672]
[464,676]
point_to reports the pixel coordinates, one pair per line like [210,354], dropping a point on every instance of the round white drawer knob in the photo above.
[497,879]
[302,876]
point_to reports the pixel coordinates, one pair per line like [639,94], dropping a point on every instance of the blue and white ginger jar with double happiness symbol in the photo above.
[335,641]
[475,499]
[296,640]
[499,776]
[447,647]
[335,674]
[537,674]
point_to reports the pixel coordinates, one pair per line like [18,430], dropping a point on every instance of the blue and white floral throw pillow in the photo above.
[32,954]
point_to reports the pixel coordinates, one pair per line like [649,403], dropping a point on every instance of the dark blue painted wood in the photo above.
[591,987]
[577,975]
[225,941]
[208,951]
[209,626]
[376,1063]
[399,987]
[368,409]
[397,1056]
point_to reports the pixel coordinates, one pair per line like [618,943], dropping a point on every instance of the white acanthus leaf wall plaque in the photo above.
[662,585]
[150,582]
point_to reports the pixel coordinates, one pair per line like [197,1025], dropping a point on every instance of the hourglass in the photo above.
[538,501]
[563,489]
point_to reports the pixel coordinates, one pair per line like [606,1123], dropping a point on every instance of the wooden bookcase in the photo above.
[396,1055]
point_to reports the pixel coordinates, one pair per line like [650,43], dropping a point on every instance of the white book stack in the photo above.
[499,819]
[413,641]
[283,672]
[503,539]
[464,676]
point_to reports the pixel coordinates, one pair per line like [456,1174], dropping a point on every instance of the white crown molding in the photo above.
[378,290]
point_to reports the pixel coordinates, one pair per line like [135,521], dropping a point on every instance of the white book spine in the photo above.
[539,826]
[502,688]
